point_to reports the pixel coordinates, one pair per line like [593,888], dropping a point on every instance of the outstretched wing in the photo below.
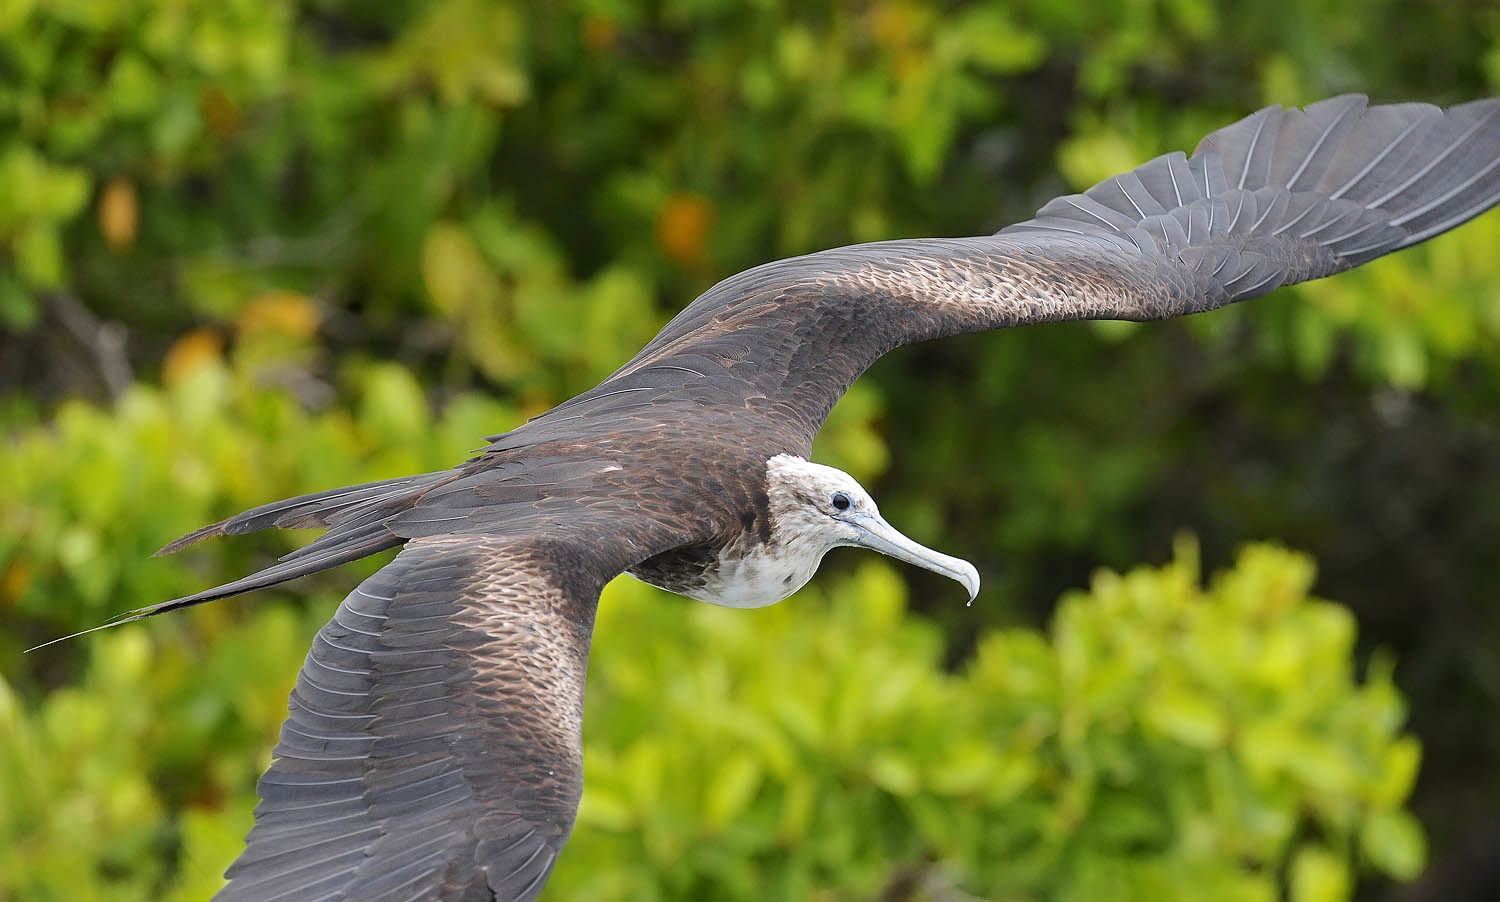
[1283,196]
[432,750]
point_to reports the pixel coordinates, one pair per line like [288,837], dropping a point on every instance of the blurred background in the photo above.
[253,249]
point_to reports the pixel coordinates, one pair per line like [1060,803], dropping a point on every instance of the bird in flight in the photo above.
[433,749]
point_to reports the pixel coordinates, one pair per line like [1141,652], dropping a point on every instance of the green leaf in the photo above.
[39,256]
[1393,841]
[1187,716]
[133,88]
[733,785]
[992,40]
[1398,772]
[18,309]
[1318,875]
[894,774]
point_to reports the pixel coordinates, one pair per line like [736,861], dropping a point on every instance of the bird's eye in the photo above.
[841,501]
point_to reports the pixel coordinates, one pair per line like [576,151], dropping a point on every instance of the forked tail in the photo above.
[355,517]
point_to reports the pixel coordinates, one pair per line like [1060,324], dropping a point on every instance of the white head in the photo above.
[815,508]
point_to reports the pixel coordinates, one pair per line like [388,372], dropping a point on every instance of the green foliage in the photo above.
[250,248]
[41,198]
[1163,742]
[471,162]
[107,793]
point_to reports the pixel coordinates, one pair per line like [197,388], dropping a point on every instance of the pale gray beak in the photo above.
[878,535]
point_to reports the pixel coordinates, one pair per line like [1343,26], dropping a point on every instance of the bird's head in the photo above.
[820,508]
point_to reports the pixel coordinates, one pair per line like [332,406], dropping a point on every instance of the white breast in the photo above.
[760,577]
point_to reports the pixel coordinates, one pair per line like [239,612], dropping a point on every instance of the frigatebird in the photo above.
[433,748]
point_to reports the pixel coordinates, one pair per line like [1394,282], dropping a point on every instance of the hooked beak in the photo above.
[878,535]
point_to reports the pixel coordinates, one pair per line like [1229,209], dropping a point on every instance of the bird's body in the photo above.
[433,750]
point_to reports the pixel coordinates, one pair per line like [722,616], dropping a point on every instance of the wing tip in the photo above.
[131,617]
[203,532]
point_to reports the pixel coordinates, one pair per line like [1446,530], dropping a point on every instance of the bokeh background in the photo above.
[251,249]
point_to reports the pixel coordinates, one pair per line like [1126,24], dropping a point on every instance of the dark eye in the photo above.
[840,501]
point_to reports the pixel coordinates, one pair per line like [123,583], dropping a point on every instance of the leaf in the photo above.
[453,270]
[177,125]
[964,770]
[18,309]
[894,774]
[1188,716]
[393,406]
[682,228]
[39,256]
[605,810]
[119,213]
[133,88]
[191,352]
[1094,155]
[992,40]
[1398,772]
[1319,876]
[1393,841]
[289,313]
[733,785]
[1403,358]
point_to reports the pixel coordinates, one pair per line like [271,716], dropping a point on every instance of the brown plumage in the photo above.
[433,750]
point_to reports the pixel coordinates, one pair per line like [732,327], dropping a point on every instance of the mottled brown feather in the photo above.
[433,743]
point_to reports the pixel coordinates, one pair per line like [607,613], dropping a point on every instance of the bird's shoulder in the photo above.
[679,483]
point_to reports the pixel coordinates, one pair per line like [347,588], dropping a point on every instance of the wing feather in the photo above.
[1282,196]
[432,746]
